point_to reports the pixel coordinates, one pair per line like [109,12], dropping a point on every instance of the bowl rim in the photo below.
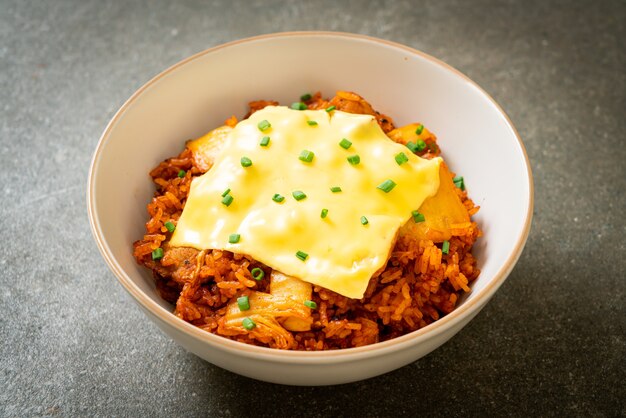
[166,317]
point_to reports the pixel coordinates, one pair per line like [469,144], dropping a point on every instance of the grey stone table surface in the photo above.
[552,342]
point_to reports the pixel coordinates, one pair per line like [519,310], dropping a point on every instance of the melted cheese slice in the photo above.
[343,254]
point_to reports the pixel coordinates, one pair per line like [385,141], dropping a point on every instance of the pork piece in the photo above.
[178,263]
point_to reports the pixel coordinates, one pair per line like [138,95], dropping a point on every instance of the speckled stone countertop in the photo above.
[552,341]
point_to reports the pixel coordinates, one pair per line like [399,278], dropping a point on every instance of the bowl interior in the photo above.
[200,93]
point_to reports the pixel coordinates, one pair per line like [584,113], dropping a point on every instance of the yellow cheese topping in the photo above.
[342,250]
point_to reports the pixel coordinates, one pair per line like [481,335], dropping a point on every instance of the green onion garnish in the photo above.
[170,226]
[324,213]
[234,238]
[418,217]
[401,158]
[265,141]
[298,106]
[298,195]
[354,159]
[264,125]
[345,144]
[278,198]
[246,162]
[419,129]
[257,274]
[244,303]
[181,173]
[302,255]
[227,200]
[248,324]
[311,122]
[306,156]
[364,220]
[330,108]
[459,182]
[335,189]
[386,186]
[416,146]
[227,191]
[310,304]
[445,248]
[157,254]
[305,97]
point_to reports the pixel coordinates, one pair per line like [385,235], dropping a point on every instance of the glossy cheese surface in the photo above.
[343,253]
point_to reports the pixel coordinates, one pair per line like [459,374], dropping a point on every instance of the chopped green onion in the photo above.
[310,304]
[248,324]
[227,200]
[418,217]
[311,122]
[227,191]
[264,125]
[265,141]
[324,213]
[354,159]
[335,189]
[306,156]
[278,198]
[401,158]
[416,146]
[298,195]
[244,303]
[298,106]
[257,274]
[302,255]
[246,162]
[445,248]
[345,144]
[181,173]
[386,186]
[364,220]
[305,97]
[459,182]
[234,238]
[170,226]
[330,108]
[157,254]
[419,129]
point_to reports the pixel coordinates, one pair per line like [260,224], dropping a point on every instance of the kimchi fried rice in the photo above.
[420,282]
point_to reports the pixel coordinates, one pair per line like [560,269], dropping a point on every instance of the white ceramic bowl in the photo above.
[199,93]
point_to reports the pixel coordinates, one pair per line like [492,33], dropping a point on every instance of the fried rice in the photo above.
[418,285]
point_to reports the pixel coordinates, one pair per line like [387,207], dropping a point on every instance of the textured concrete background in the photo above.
[551,342]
